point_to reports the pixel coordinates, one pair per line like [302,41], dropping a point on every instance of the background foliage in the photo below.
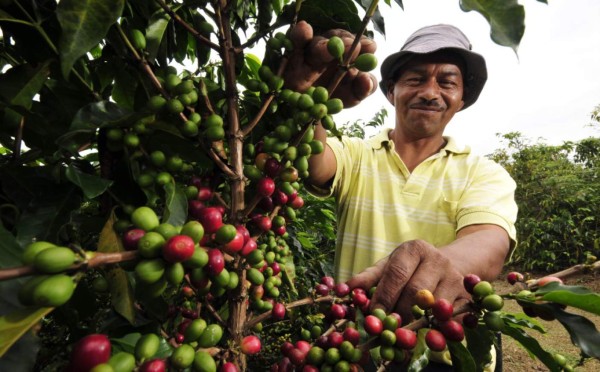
[69,74]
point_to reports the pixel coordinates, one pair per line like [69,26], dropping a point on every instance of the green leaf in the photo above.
[479,343]
[48,213]
[124,88]
[582,331]
[461,358]
[84,23]
[421,353]
[14,325]
[122,297]
[327,15]
[4,16]
[506,18]
[175,205]
[10,250]
[125,343]
[522,320]
[91,185]
[18,86]
[289,274]
[575,296]
[109,241]
[531,345]
[157,26]
[97,114]
[93,116]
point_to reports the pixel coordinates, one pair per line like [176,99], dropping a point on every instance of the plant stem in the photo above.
[189,28]
[346,62]
[303,302]
[98,259]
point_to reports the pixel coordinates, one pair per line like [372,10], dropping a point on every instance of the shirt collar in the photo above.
[382,139]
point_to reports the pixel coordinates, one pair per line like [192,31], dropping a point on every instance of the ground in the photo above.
[516,358]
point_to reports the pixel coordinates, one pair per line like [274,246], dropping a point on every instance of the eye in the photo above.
[448,83]
[414,80]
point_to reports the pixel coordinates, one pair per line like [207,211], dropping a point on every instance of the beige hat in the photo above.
[436,38]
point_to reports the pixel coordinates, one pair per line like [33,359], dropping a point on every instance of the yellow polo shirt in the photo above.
[380,204]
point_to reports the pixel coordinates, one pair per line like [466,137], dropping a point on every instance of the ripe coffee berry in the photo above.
[335,339]
[352,335]
[179,248]
[154,365]
[435,340]
[266,186]
[278,312]
[250,345]
[470,321]
[321,289]
[359,299]
[341,289]
[90,351]
[337,311]
[452,330]
[442,309]
[469,281]
[328,281]
[405,338]
[373,325]
[303,346]
[514,277]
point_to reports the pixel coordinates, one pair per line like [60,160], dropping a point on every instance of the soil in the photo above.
[557,339]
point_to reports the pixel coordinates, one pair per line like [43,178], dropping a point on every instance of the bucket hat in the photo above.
[431,39]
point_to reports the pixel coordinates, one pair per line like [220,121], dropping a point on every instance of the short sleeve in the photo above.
[489,199]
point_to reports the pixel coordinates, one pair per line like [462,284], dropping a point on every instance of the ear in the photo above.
[462,104]
[390,92]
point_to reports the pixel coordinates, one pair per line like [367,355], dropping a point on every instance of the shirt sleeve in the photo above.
[344,151]
[490,199]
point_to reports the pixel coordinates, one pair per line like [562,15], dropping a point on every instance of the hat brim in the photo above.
[474,81]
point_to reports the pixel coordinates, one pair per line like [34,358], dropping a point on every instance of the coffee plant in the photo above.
[151,179]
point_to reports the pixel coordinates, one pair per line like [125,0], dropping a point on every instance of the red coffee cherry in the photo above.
[405,338]
[442,309]
[435,340]
[90,351]
[250,345]
[452,330]
[373,325]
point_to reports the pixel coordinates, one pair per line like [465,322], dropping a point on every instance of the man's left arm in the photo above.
[416,265]
[480,250]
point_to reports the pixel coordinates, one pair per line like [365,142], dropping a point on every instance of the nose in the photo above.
[430,90]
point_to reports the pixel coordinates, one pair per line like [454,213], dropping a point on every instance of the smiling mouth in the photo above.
[427,109]
[431,108]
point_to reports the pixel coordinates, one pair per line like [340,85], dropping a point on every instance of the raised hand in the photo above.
[311,64]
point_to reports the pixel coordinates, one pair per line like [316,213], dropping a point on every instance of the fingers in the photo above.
[301,34]
[355,88]
[311,64]
[400,267]
[368,278]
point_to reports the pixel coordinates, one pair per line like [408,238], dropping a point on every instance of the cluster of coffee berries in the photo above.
[51,287]
[486,303]
[532,303]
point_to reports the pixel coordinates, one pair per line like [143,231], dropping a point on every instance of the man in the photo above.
[415,209]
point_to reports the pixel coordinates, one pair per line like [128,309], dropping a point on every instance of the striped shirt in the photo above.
[380,204]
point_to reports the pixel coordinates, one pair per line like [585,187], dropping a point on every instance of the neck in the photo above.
[414,151]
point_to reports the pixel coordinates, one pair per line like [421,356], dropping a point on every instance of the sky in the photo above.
[547,91]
